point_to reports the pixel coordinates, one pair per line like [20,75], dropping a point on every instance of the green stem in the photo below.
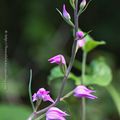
[30,93]
[38,104]
[82,82]
[67,95]
[39,118]
[83,66]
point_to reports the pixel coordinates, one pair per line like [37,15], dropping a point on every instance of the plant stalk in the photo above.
[83,117]
[29,89]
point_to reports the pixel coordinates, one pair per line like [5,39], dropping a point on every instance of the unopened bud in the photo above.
[83,4]
[66,15]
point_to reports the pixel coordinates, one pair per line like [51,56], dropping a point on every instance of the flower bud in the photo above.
[80,40]
[66,15]
[79,34]
[82,91]
[82,4]
[58,59]
[55,113]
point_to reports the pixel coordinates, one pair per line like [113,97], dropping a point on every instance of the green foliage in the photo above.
[13,112]
[100,74]
[55,74]
[55,80]
[91,44]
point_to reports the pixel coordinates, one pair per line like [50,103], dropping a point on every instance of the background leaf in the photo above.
[101,73]
[13,112]
[115,96]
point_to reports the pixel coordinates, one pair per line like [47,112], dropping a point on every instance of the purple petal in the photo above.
[57,110]
[82,91]
[34,97]
[55,114]
[57,59]
[48,98]
[81,43]
[79,34]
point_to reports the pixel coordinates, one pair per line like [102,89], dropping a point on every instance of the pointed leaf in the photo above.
[91,44]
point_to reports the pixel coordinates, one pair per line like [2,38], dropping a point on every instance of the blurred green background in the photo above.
[35,33]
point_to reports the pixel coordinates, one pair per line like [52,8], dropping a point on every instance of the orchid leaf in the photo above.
[101,73]
[91,44]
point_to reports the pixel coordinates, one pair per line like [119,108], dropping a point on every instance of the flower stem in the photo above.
[82,82]
[39,118]
[38,104]
[83,66]
[30,93]
[67,95]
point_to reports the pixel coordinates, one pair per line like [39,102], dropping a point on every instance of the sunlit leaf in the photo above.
[91,44]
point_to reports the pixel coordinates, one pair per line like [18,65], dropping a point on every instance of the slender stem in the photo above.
[73,54]
[30,93]
[67,95]
[76,18]
[38,104]
[39,118]
[82,82]
[83,66]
